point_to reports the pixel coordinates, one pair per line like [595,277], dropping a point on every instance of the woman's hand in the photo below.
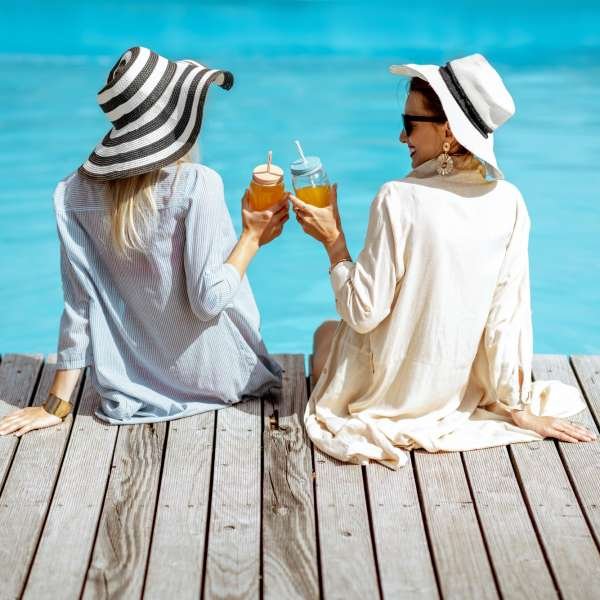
[259,228]
[264,225]
[26,419]
[323,224]
[553,427]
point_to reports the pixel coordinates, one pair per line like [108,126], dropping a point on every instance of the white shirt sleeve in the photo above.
[211,282]
[508,334]
[74,348]
[364,290]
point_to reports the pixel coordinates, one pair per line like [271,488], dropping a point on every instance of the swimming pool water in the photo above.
[316,71]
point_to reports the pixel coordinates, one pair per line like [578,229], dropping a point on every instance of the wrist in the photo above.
[55,405]
[250,238]
[337,248]
[518,416]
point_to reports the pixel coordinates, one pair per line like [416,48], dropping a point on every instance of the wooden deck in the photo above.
[236,503]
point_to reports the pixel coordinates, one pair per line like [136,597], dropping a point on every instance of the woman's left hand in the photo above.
[323,224]
[554,427]
[26,419]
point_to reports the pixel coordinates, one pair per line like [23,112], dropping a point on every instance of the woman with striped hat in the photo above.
[156,298]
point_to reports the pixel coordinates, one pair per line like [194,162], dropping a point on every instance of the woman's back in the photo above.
[159,327]
[460,227]
[420,309]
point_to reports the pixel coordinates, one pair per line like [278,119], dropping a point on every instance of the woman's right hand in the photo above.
[264,225]
[554,427]
[322,223]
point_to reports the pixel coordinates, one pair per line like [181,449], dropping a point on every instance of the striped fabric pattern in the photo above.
[168,333]
[155,106]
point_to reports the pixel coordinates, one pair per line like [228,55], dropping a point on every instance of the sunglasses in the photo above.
[408,120]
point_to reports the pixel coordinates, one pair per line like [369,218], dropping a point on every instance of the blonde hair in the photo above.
[133,208]
[469,162]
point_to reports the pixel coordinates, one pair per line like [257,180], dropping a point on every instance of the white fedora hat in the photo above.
[474,98]
[155,106]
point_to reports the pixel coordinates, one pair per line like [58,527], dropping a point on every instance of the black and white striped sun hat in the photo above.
[155,106]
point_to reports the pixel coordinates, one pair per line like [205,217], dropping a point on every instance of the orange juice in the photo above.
[309,179]
[266,187]
[317,195]
[265,196]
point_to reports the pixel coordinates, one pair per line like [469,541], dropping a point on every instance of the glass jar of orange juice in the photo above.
[310,180]
[266,187]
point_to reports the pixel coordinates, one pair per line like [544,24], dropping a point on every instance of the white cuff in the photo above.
[340,274]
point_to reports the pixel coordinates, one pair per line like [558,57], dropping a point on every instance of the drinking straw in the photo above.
[310,177]
[269,159]
[300,151]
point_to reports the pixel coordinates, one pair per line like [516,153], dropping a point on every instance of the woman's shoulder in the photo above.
[397,187]
[197,174]
[202,188]
[522,210]
[197,183]
[508,190]
[406,189]
[395,191]
[509,187]
[76,192]
[393,200]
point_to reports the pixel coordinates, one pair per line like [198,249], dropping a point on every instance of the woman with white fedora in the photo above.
[156,300]
[434,346]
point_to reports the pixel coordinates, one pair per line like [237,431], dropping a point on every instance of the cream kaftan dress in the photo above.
[436,323]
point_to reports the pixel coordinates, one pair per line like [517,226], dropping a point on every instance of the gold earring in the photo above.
[445,162]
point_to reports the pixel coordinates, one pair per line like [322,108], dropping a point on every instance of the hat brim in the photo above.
[463,130]
[163,133]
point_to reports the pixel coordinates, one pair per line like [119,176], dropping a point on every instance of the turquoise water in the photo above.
[315,71]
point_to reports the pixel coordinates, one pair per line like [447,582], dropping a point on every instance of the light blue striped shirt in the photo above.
[173,331]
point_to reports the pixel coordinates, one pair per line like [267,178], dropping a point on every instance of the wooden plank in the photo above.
[348,568]
[120,556]
[289,535]
[348,562]
[563,532]
[62,557]
[582,460]
[178,543]
[28,490]
[512,543]
[405,564]
[18,378]
[588,372]
[459,552]
[233,556]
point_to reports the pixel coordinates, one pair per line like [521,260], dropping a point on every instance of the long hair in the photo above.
[133,208]
[463,158]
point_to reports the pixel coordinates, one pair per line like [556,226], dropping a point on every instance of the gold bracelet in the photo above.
[57,406]
[337,262]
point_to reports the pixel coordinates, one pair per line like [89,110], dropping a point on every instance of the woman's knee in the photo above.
[323,332]
[321,346]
